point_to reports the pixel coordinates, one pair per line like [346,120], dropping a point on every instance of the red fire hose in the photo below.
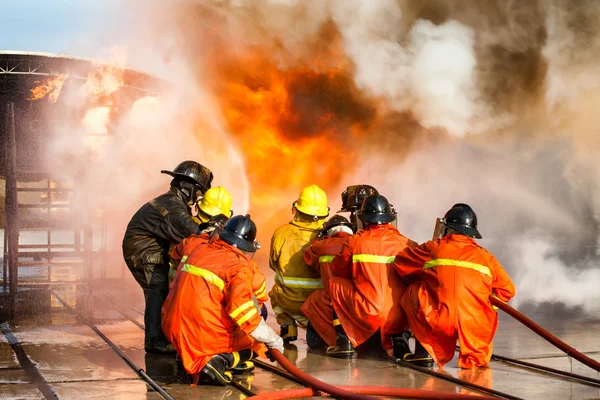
[348,392]
[546,335]
[369,390]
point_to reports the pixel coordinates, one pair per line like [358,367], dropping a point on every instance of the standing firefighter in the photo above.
[451,279]
[352,199]
[152,228]
[294,280]
[367,302]
[212,313]
[319,256]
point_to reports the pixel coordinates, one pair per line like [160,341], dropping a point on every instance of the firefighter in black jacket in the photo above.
[166,219]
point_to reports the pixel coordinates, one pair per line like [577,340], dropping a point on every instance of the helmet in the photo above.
[312,201]
[355,195]
[216,201]
[194,172]
[240,232]
[376,210]
[337,220]
[463,220]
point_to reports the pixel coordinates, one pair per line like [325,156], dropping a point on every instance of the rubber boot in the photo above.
[343,348]
[289,333]
[400,346]
[244,365]
[215,372]
[420,357]
[313,340]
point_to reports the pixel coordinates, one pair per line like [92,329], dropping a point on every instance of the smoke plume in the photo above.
[433,102]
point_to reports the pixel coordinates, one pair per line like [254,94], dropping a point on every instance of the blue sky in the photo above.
[75,27]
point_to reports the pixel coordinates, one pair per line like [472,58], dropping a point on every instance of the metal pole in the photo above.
[11,206]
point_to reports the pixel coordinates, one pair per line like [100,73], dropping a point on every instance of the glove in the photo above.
[265,334]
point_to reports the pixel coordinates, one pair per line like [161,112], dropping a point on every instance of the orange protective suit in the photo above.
[317,307]
[210,307]
[451,280]
[369,300]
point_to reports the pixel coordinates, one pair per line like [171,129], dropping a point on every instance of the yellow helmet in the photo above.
[312,201]
[216,200]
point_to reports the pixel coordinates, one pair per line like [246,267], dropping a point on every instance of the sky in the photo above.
[84,28]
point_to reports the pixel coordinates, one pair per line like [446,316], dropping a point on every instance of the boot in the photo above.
[313,340]
[215,372]
[420,357]
[400,346]
[160,348]
[289,333]
[343,348]
[243,365]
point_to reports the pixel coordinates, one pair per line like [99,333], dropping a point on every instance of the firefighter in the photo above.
[294,280]
[451,279]
[319,256]
[366,303]
[215,201]
[212,313]
[152,228]
[352,199]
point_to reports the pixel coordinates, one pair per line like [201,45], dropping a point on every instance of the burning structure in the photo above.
[50,237]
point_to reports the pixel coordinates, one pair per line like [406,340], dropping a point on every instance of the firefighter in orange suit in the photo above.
[212,314]
[451,279]
[319,256]
[368,302]
[294,280]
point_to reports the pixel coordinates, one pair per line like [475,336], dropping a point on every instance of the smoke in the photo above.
[433,102]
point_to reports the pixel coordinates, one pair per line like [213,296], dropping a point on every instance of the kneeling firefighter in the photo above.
[211,315]
[367,303]
[319,256]
[451,279]
[294,280]
[164,220]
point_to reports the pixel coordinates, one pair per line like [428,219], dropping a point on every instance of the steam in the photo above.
[489,103]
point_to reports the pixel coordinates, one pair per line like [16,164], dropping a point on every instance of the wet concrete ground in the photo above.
[77,364]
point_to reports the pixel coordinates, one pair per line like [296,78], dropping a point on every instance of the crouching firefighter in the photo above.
[366,304]
[319,256]
[294,280]
[164,220]
[451,279]
[211,315]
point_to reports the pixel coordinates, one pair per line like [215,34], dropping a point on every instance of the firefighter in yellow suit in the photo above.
[294,280]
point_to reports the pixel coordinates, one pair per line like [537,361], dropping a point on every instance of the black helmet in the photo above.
[463,220]
[355,195]
[334,221]
[194,172]
[376,210]
[240,232]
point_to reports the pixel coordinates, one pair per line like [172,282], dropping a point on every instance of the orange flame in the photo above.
[105,81]
[51,87]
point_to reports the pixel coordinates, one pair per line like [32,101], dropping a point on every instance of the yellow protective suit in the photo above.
[294,280]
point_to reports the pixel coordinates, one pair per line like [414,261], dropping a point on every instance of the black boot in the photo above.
[313,340]
[420,357]
[215,372]
[343,348]
[289,333]
[400,346]
[244,365]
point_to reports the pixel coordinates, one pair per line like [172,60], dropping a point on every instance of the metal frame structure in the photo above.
[18,72]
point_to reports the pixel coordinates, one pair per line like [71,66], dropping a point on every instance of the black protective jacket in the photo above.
[154,226]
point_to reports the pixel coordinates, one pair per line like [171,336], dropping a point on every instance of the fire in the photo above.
[295,125]
[51,87]
[105,81]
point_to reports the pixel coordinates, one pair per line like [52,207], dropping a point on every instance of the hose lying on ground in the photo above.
[570,351]
[368,390]
[348,392]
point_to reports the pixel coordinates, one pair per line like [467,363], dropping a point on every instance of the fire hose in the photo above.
[569,350]
[317,386]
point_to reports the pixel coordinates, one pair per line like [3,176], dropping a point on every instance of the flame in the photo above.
[51,87]
[295,125]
